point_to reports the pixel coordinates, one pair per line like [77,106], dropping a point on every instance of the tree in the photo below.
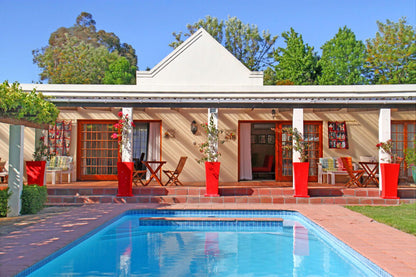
[297,63]
[75,62]
[210,24]
[242,40]
[63,48]
[120,72]
[342,61]
[391,55]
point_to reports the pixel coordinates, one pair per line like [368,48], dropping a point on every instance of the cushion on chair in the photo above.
[51,164]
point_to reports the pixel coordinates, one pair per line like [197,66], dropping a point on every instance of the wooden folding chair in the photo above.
[355,175]
[139,171]
[174,174]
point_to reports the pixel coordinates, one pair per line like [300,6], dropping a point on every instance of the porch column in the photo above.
[126,149]
[214,113]
[297,122]
[16,149]
[384,134]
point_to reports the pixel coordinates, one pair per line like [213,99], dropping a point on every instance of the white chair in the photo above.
[4,171]
[67,167]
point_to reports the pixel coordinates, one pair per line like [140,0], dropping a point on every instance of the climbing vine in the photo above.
[31,106]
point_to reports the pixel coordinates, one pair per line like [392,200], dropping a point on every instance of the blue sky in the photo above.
[147,25]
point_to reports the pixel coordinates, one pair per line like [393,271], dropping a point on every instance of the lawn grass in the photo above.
[402,217]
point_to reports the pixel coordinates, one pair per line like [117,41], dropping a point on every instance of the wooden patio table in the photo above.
[153,172]
[371,169]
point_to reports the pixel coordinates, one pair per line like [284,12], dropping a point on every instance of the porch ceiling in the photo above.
[388,96]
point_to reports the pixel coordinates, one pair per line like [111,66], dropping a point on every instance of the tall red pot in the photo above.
[212,175]
[389,180]
[301,173]
[35,171]
[125,178]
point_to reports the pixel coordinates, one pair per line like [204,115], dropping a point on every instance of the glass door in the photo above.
[263,151]
[97,151]
[140,143]
[403,134]
[312,135]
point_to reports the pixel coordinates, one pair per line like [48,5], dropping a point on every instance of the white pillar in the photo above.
[384,134]
[214,113]
[297,122]
[16,149]
[126,149]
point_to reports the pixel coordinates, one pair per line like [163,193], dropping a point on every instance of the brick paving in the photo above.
[392,250]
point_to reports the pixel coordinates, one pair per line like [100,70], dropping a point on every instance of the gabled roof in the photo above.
[202,73]
[200,60]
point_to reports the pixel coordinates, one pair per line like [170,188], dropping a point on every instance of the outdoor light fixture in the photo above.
[274,113]
[194,127]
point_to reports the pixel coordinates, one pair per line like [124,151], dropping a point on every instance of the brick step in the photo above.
[275,199]
[408,193]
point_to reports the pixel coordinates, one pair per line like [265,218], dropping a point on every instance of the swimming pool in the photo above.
[175,243]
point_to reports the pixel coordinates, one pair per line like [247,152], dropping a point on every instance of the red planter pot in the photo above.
[301,173]
[389,180]
[212,174]
[35,171]
[125,178]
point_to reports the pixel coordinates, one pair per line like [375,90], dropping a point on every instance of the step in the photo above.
[277,199]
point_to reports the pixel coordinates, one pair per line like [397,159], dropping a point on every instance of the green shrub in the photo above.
[33,199]
[4,207]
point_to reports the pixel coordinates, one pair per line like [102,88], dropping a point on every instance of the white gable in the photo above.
[200,60]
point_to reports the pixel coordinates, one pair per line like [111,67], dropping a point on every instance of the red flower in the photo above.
[120,114]
[132,124]
[116,125]
[114,136]
[378,145]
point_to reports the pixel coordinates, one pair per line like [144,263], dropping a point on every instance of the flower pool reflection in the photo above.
[208,243]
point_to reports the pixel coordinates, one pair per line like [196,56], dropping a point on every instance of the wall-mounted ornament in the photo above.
[194,127]
[170,133]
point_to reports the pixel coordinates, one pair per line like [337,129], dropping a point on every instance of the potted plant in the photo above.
[389,171]
[301,168]
[35,169]
[124,169]
[410,158]
[210,154]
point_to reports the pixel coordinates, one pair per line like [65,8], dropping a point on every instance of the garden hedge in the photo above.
[33,199]
[4,196]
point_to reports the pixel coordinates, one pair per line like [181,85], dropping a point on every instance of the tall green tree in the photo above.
[120,72]
[244,41]
[342,61]
[66,45]
[75,62]
[391,55]
[297,63]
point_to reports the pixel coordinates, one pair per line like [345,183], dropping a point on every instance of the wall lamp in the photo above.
[274,114]
[194,127]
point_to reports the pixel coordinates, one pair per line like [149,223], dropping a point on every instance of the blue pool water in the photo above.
[132,247]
